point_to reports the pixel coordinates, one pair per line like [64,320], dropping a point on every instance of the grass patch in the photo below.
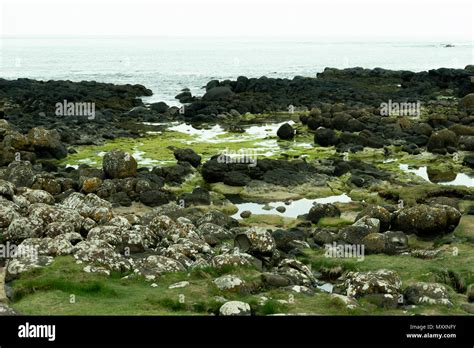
[271,307]
[333,222]
[63,275]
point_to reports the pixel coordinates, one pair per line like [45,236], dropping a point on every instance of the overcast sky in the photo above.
[404,19]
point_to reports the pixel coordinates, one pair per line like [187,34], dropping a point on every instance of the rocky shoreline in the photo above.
[133,191]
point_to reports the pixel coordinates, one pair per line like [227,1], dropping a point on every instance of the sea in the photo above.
[167,65]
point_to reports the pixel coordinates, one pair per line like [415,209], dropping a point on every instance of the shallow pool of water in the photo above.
[215,134]
[295,208]
[461,179]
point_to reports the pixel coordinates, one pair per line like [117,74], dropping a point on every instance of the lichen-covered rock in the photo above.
[349,302]
[6,310]
[138,238]
[49,214]
[22,203]
[57,246]
[110,234]
[26,262]
[235,308]
[48,183]
[38,196]
[218,218]
[319,211]
[156,265]
[167,228]
[7,215]
[388,242]
[397,241]
[120,221]
[88,224]
[24,227]
[57,228]
[427,221]
[91,185]
[20,174]
[324,236]
[7,189]
[374,243]
[125,239]
[90,206]
[229,282]
[430,293]
[44,140]
[353,234]
[256,241]
[234,258]
[377,212]
[118,164]
[188,251]
[358,284]
[299,289]
[214,234]
[372,224]
[15,140]
[386,301]
[100,253]
[296,272]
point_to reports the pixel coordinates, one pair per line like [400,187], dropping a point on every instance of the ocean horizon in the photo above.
[166,65]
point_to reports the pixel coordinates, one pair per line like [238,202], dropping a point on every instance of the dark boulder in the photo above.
[469,161]
[284,239]
[188,155]
[199,196]
[160,107]
[235,178]
[218,93]
[286,132]
[155,198]
[325,137]
[46,142]
[441,140]
[118,164]
[427,221]
[319,211]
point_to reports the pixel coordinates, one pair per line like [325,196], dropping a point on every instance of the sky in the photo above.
[335,19]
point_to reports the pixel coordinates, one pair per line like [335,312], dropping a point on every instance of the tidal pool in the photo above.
[217,134]
[293,209]
[459,179]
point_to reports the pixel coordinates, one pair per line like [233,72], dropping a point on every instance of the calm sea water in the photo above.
[167,65]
